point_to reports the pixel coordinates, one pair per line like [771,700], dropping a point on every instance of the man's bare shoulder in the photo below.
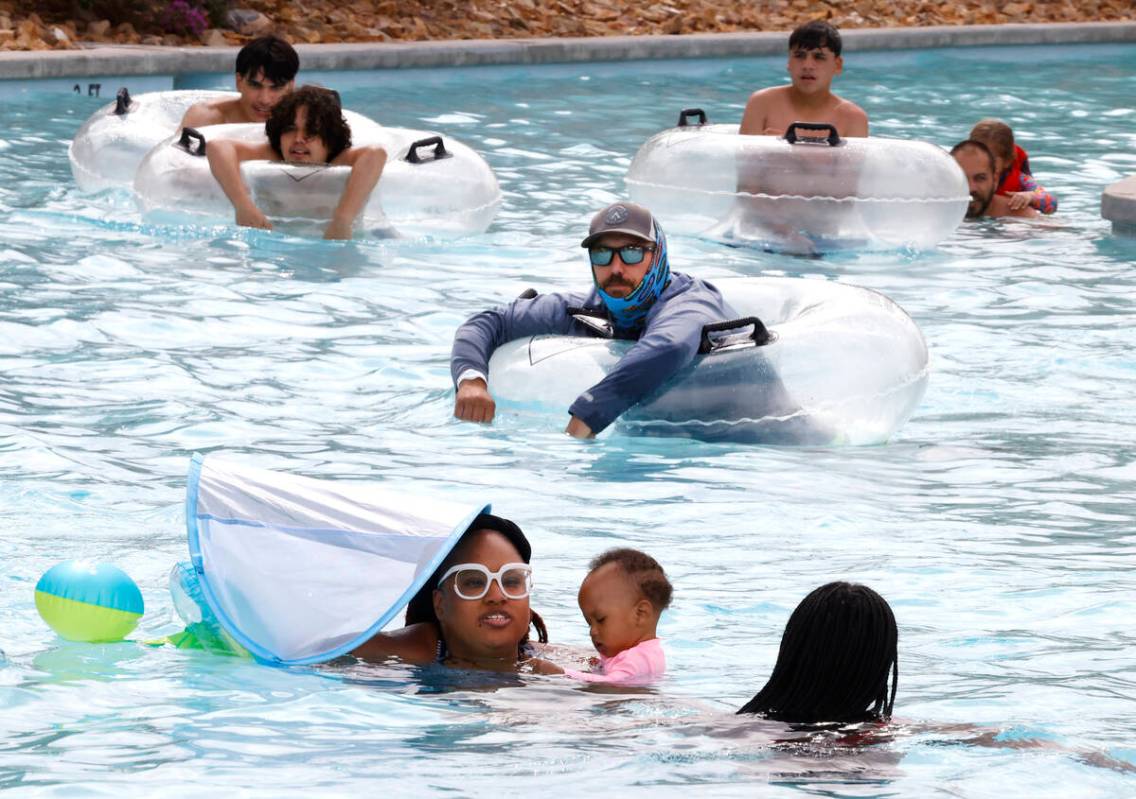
[212,112]
[770,94]
[850,119]
[764,109]
[849,109]
[1000,206]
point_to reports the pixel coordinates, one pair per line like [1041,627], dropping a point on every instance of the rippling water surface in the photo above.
[998,522]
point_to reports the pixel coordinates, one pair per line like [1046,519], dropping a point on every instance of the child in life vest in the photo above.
[622,598]
[1013,167]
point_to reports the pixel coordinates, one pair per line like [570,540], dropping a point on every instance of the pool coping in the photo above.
[1118,205]
[110,59]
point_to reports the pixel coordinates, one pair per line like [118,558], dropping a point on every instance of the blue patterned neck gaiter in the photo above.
[628,313]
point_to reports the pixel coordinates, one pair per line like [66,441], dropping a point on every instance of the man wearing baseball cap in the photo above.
[635,296]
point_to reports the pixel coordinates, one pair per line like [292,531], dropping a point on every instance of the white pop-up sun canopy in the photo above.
[300,570]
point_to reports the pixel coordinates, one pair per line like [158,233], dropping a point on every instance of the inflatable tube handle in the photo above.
[759,336]
[439,150]
[791,136]
[692,112]
[190,135]
[593,319]
[122,102]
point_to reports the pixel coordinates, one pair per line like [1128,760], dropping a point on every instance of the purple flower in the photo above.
[184,17]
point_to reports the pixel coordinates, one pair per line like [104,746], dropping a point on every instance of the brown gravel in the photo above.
[65,24]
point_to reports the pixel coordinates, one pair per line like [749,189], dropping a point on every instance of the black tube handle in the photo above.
[760,335]
[434,141]
[122,102]
[189,135]
[594,319]
[833,137]
[691,112]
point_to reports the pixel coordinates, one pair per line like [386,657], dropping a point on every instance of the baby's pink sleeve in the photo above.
[639,664]
[586,676]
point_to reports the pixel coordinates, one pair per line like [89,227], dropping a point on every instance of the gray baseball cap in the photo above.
[622,217]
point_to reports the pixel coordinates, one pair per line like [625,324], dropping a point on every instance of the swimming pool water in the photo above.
[998,523]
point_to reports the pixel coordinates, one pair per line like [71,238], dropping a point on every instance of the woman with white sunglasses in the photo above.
[474,610]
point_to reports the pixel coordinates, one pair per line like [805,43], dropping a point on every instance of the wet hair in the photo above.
[815,35]
[645,572]
[974,144]
[997,136]
[270,54]
[420,609]
[325,119]
[837,653]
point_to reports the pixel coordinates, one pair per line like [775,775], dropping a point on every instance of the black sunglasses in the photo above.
[630,254]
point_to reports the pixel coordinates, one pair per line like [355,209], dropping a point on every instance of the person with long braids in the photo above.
[838,660]
[838,664]
[473,612]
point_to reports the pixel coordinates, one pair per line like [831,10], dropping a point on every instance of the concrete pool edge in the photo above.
[146,60]
[1118,205]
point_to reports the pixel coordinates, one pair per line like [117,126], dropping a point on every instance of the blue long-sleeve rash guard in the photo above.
[667,342]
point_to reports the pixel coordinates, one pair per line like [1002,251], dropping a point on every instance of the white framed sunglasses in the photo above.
[472,580]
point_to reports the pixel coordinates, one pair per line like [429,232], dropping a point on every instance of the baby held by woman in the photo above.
[622,598]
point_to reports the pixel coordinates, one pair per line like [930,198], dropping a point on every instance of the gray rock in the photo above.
[247,22]
[214,38]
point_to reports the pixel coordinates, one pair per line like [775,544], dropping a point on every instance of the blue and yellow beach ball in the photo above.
[85,601]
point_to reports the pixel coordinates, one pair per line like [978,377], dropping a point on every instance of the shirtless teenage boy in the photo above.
[814,60]
[306,127]
[266,72]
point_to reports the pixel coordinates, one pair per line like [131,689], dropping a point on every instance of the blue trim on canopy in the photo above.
[191,481]
[256,650]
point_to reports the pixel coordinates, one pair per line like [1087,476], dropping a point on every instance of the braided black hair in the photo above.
[420,609]
[837,653]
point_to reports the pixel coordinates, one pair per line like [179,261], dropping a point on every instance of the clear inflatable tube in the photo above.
[844,365]
[814,194]
[431,186]
[108,148]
